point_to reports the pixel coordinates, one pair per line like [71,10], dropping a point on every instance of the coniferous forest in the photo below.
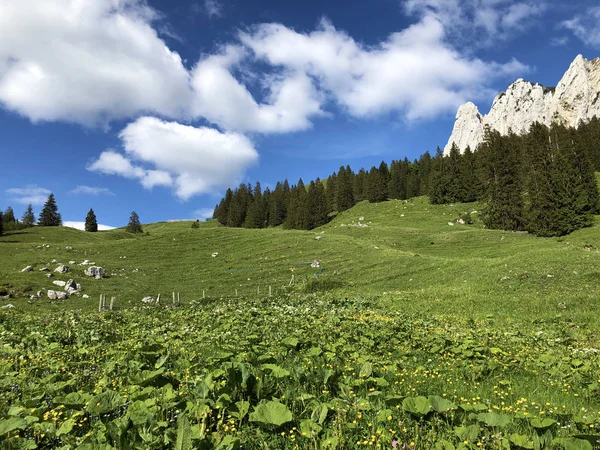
[542,182]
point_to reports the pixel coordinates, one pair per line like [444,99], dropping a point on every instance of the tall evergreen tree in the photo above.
[9,217]
[49,216]
[91,224]
[240,201]
[330,191]
[469,183]
[28,219]
[257,211]
[438,180]
[424,173]
[413,180]
[360,186]
[222,210]
[134,225]
[1,223]
[317,204]
[277,206]
[376,186]
[503,196]
[344,189]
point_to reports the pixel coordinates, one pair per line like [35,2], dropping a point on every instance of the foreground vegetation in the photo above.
[413,333]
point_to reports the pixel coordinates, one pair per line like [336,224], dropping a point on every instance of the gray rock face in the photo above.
[27,269]
[71,287]
[57,295]
[95,271]
[575,99]
[9,306]
[62,269]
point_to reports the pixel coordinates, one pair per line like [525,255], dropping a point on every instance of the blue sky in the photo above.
[159,106]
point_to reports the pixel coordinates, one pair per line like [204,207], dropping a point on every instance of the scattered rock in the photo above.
[361,219]
[27,269]
[57,295]
[5,297]
[87,262]
[44,269]
[9,306]
[95,271]
[319,238]
[62,269]
[34,297]
[451,224]
[68,247]
[53,261]
[49,275]
[315,264]
[148,300]
[59,283]
[504,278]
[215,254]
[461,221]
[85,296]
[71,262]
[71,287]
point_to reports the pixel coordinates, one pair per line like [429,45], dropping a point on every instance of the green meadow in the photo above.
[413,332]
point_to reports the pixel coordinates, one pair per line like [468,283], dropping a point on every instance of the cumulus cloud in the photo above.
[586,27]
[29,194]
[87,62]
[414,71]
[81,225]
[192,160]
[291,97]
[90,190]
[479,22]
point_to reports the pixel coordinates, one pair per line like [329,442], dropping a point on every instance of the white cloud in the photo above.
[87,61]
[479,22]
[90,190]
[586,27]
[81,225]
[222,99]
[559,41]
[414,71]
[192,160]
[29,194]
[213,8]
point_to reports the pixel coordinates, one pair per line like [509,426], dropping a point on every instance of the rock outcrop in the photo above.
[95,271]
[575,99]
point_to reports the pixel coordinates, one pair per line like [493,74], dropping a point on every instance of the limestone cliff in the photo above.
[576,98]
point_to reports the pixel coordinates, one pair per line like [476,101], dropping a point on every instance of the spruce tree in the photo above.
[49,216]
[330,191]
[504,207]
[438,180]
[257,214]
[424,173]
[1,223]
[317,204]
[277,206]
[344,189]
[134,225]
[376,186]
[28,219]
[360,186]
[469,183]
[91,224]
[413,180]
[9,216]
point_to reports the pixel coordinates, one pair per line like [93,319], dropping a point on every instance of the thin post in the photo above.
[258,291]
[236,294]
[158,299]
[173,297]
[100,304]
[178,299]
[203,294]
[112,302]
[269,290]
[103,301]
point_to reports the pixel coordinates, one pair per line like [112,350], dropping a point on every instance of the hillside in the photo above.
[407,255]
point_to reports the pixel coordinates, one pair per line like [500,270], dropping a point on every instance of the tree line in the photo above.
[542,182]
[50,217]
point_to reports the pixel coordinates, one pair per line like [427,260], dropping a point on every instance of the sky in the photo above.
[159,106]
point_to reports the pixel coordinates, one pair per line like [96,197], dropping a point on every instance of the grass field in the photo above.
[416,333]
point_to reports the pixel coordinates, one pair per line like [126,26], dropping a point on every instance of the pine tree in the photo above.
[344,189]
[222,210]
[1,223]
[277,206]
[331,192]
[257,213]
[504,208]
[360,186]
[376,186]
[9,216]
[413,180]
[469,183]
[424,173]
[317,204]
[91,224]
[28,219]
[50,217]
[438,185]
[134,225]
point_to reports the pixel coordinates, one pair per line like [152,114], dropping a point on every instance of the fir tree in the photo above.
[438,180]
[344,189]
[376,186]
[134,225]
[413,180]
[91,224]
[277,206]
[330,191]
[28,219]
[504,208]
[222,210]
[257,212]
[469,183]
[317,204]
[1,223]
[424,173]
[50,217]
[360,186]
[9,216]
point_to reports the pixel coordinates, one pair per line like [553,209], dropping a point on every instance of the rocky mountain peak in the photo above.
[576,98]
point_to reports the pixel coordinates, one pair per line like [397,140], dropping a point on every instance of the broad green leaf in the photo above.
[440,404]
[271,414]
[184,434]
[418,406]
[290,341]
[14,423]
[319,414]
[229,443]
[74,400]
[104,403]
[66,427]
[277,371]
[542,424]
[469,433]
[309,428]
[493,419]
[571,443]
[444,445]
[366,370]
[521,441]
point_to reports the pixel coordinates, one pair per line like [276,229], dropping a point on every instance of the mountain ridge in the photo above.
[575,98]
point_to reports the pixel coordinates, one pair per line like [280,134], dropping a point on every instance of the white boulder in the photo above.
[62,269]
[95,271]
[27,269]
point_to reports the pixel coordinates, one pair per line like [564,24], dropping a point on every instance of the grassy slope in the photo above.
[408,256]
